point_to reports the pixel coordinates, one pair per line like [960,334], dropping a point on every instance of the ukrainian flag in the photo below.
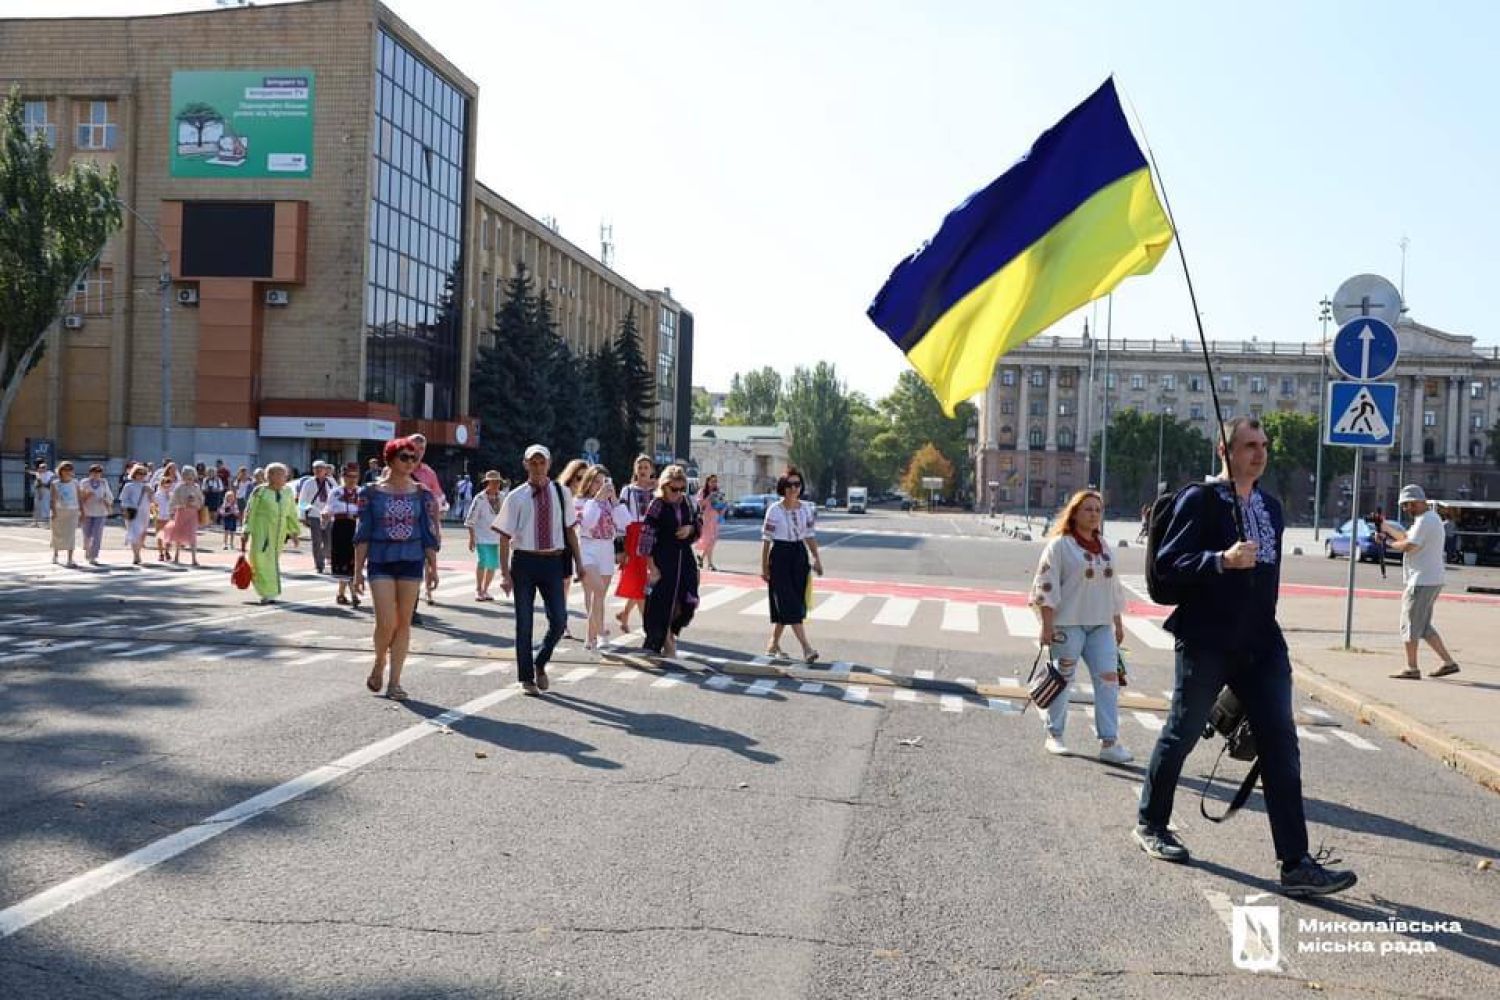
[1062,227]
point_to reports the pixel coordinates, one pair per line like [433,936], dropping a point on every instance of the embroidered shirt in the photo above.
[784,524]
[1258,525]
[398,527]
[517,520]
[480,518]
[1080,587]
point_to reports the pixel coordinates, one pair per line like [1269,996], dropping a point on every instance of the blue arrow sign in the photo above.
[1365,348]
[1361,414]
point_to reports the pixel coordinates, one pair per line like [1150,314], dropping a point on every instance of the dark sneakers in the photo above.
[1308,878]
[1161,844]
[541,678]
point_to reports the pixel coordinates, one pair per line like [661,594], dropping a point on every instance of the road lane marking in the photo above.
[627,676]
[720,682]
[1307,734]
[897,611]
[951,703]
[18,657]
[905,694]
[1318,713]
[857,692]
[1149,632]
[835,607]
[721,595]
[764,686]
[760,607]
[1148,721]
[1357,742]
[960,617]
[155,648]
[577,674]
[1021,622]
[484,668]
[670,680]
[50,901]
[1003,705]
[924,675]
[319,658]
[810,687]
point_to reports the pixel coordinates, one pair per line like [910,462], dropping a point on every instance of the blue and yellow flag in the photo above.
[1062,227]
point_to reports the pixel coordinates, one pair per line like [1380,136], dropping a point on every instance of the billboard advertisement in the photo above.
[242,123]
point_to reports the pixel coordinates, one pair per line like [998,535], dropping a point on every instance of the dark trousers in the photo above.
[530,573]
[1263,683]
[321,537]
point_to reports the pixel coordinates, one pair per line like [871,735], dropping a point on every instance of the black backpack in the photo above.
[1160,590]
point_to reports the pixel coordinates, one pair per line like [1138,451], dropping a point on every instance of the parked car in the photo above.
[752,505]
[1336,546]
[832,503]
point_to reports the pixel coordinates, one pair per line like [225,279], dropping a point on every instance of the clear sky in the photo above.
[772,161]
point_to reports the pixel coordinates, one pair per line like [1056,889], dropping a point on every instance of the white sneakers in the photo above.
[1116,754]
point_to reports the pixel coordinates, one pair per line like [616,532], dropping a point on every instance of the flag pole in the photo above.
[1187,274]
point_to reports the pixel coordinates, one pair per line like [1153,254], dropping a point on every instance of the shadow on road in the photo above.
[661,726]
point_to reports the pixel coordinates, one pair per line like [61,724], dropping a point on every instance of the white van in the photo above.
[858,498]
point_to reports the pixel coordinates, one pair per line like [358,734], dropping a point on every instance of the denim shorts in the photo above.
[401,569]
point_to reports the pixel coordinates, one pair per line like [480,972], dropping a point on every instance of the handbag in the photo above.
[1044,687]
[204,517]
[242,574]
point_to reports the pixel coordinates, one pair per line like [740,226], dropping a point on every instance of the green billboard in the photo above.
[242,123]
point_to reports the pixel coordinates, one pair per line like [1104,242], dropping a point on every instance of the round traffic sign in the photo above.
[591,445]
[1367,295]
[1365,348]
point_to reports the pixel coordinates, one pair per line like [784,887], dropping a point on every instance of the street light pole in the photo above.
[165,281]
[1161,420]
[1325,313]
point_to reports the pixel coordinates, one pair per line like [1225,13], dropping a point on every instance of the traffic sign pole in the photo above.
[1353,546]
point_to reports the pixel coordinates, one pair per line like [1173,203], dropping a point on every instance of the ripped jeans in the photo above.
[1095,645]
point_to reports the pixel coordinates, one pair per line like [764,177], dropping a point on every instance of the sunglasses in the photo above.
[405,456]
[794,482]
[675,488]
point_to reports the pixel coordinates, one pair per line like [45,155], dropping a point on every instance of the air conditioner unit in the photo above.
[73,322]
[187,296]
[277,297]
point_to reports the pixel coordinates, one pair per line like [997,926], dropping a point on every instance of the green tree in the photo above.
[511,389]
[639,388]
[874,459]
[564,388]
[918,419]
[617,445]
[52,229]
[1294,453]
[1130,478]
[817,413]
[703,409]
[928,461]
[755,398]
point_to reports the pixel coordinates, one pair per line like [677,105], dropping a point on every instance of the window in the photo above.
[1007,406]
[1037,439]
[1038,377]
[1008,376]
[1036,408]
[1195,383]
[1228,412]
[1065,465]
[1065,378]
[1255,410]
[1429,418]
[1111,380]
[91,296]
[34,117]
[1288,386]
[1476,421]
[1169,383]
[1064,408]
[1065,439]
[1257,383]
[1196,411]
[95,130]
[1476,448]
[1036,467]
[1137,381]
[1226,384]
[1476,390]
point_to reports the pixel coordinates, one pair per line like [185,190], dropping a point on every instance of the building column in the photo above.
[1418,387]
[1023,432]
[1051,407]
[1465,407]
[1450,438]
[989,425]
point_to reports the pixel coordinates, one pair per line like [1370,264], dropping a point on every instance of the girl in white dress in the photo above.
[600,519]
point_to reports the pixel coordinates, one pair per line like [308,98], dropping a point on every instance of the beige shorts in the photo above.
[1416,612]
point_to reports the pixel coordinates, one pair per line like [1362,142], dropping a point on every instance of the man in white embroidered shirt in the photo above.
[537,527]
[312,500]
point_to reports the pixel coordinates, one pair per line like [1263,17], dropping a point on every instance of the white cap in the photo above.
[538,449]
[1411,493]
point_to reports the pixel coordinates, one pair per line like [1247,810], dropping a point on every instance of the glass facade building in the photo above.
[414,265]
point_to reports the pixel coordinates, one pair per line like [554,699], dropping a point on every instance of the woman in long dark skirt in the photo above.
[668,531]
[342,516]
[786,539]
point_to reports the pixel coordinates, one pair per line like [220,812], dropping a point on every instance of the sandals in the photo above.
[341,599]
[776,651]
[810,656]
[396,692]
[1408,675]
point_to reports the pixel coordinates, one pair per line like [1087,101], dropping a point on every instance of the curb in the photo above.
[1474,763]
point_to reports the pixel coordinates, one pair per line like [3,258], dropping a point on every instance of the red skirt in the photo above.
[635,572]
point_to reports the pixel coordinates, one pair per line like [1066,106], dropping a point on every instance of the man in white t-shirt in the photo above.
[1421,548]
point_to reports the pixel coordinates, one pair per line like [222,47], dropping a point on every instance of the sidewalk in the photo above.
[1455,719]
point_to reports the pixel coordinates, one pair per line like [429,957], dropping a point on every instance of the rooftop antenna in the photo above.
[607,244]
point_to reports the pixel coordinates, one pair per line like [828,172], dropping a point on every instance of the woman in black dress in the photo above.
[786,540]
[668,531]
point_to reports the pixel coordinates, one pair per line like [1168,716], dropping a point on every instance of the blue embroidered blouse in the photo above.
[398,527]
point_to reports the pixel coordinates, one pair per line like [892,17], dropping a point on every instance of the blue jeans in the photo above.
[530,573]
[1095,645]
[1263,683]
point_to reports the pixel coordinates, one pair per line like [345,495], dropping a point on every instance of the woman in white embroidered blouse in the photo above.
[601,517]
[1080,599]
[786,539]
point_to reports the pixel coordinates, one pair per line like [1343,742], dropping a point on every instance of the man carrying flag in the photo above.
[1075,217]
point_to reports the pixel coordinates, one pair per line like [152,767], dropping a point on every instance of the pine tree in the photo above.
[562,386]
[509,391]
[616,445]
[639,388]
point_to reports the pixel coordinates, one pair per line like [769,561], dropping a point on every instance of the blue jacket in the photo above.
[1223,610]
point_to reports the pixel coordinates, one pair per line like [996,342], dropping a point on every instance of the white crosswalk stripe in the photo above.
[1355,741]
[1149,721]
[897,612]
[810,687]
[1307,734]
[155,648]
[1021,622]
[720,596]
[1004,706]
[319,658]
[835,607]
[670,680]
[485,668]
[720,682]
[760,608]
[1149,632]
[763,686]
[960,617]
[857,692]
[951,703]
[905,694]
[577,674]
[115,647]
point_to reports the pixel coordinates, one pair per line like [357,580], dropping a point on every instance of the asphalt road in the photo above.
[200,799]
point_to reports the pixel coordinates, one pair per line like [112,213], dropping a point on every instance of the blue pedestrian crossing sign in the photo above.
[1361,414]
[1365,348]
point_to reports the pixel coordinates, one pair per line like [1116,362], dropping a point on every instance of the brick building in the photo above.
[308,172]
[1047,400]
